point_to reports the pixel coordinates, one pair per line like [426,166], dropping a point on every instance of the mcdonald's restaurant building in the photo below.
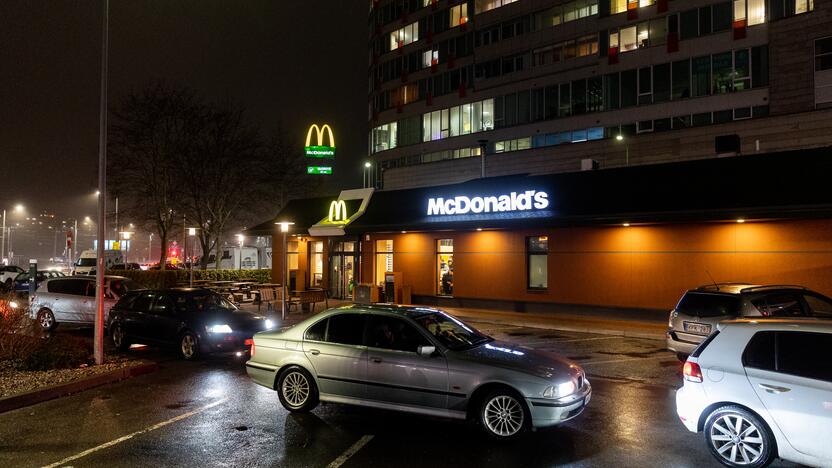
[633,237]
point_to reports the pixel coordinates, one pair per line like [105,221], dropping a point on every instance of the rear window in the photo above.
[708,305]
[86,262]
[76,287]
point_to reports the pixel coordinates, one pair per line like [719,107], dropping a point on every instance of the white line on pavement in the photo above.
[350,452]
[626,360]
[134,434]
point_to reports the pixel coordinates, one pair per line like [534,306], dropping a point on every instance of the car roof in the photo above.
[404,310]
[743,288]
[782,324]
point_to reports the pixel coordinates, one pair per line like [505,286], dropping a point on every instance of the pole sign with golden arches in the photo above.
[316,149]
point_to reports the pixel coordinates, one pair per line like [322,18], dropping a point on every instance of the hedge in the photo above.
[157,279]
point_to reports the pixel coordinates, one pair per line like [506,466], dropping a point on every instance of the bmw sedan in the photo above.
[196,321]
[418,360]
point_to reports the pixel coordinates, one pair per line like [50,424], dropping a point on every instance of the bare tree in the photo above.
[151,132]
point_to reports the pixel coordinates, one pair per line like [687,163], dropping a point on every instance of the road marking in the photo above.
[625,360]
[134,434]
[350,452]
[533,343]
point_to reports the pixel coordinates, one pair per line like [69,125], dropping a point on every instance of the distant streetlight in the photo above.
[284,229]
[620,137]
[17,209]
[367,174]
[191,234]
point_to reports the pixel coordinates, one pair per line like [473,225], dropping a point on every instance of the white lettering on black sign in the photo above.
[515,201]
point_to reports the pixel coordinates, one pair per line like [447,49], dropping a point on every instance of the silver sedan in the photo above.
[419,360]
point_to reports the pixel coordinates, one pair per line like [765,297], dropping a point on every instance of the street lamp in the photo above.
[191,234]
[367,174]
[17,209]
[620,137]
[284,229]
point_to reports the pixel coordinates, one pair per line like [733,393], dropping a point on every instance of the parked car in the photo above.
[761,389]
[195,320]
[417,360]
[126,266]
[71,299]
[21,281]
[7,275]
[700,309]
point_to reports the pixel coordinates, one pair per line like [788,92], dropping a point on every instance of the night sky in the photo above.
[295,61]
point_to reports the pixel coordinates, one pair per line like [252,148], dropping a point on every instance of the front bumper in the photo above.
[234,342]
[546,412]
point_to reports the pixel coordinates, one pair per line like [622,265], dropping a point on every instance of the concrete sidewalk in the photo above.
[619,322]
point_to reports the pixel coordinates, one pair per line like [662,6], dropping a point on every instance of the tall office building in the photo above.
[560,86]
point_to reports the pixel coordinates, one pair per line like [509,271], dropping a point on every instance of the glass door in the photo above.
[445,267]
[342,269]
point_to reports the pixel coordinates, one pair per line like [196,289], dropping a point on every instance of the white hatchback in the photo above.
[762,389]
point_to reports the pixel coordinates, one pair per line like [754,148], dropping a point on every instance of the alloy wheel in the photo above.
[295,389]
[503,415]
[188,346]
[46,320]
[737,440]
[118,336]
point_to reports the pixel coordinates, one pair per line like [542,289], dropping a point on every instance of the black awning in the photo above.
[774,185]
[303,212]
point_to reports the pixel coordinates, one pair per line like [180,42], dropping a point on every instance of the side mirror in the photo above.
[426,351]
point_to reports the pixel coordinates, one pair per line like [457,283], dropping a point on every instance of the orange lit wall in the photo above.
[637,266]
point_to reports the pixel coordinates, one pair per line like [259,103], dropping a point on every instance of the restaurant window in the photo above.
[292,255]
[445,267]
[537,253]
[316,264]
[384,258]
[459,15]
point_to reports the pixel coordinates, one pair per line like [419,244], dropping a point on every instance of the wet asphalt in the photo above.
[208,413]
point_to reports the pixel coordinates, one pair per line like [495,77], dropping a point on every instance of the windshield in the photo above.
[206,300]
[451,332]
[86,262]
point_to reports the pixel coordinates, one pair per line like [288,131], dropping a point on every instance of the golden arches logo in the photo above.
[337,211]
[320,131]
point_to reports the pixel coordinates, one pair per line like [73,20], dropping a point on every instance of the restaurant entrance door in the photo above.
[343,263]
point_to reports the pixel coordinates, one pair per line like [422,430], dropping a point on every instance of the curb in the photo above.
[56,391]
[658,336]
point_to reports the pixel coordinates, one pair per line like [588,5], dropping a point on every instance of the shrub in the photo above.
[17,330]
[58,352]
[158,279]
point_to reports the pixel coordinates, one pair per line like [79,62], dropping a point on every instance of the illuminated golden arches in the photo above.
[320,132]
[337,211]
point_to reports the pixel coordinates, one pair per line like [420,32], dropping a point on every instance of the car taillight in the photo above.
[692,372]
[250,342]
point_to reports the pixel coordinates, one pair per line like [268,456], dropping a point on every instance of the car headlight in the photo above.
[559,390]
[13,305]
[269,324]
[219,329]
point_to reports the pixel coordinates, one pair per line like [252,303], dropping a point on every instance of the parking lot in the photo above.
[209,413]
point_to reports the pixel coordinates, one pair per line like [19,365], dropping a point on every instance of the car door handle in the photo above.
[773,388]
[314,352]
[376,360]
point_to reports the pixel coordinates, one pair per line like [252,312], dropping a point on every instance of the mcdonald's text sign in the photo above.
[316,137]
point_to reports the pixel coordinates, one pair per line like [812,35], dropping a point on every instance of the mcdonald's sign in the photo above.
[337,212]
[319,149]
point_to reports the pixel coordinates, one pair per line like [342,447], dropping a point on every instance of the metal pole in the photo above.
[98,344]
[283,269]
[118,229]
[627,155]
[3,242]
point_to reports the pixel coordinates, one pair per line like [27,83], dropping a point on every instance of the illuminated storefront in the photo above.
[632,237]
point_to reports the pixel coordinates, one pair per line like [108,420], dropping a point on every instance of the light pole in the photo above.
[367,174]
[241,239]
[98,343]
[620,137]
[191,235]
[284,229]
[17,209]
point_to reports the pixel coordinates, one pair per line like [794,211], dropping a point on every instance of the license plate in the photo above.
[700,328]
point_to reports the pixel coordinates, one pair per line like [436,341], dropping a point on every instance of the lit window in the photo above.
[459,15]
[430,57]
[537,254]
[404,36]
[485,5]
[751,11]
[384,259]
[316,263]
[384,137]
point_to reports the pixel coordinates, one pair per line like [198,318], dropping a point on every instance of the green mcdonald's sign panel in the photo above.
[322,170]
